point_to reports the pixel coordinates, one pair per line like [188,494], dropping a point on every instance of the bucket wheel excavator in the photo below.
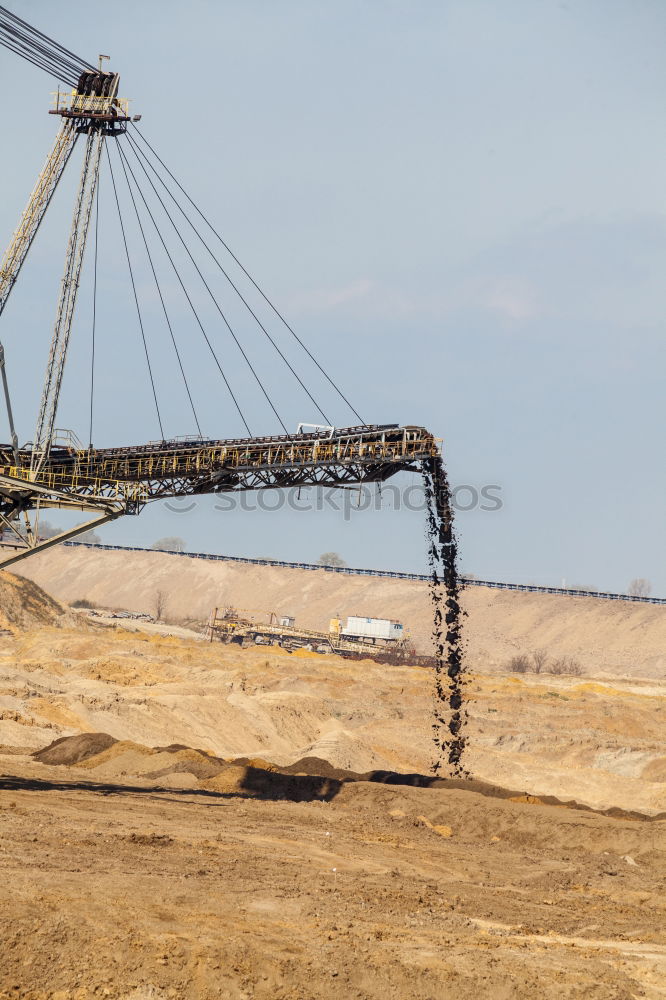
[54,470]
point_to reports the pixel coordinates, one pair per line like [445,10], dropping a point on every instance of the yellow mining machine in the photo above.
[358,636]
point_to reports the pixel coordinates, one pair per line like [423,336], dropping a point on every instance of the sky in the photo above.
[459,207]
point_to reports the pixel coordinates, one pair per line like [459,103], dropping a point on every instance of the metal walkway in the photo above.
[116,481]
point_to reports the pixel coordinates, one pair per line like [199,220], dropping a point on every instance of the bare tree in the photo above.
[81,602]
[640,587]
[566,665]
[331,559]
[519,664]
[160,604]
[47,530]
[172,543]
[539,660]
[89,537]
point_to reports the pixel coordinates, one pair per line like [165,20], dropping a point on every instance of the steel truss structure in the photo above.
[92,109]
[67,298]
[116,481]
[110,482]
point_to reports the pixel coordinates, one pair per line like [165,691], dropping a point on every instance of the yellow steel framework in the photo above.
[25,233]
[169,469]
[95,110]
[68,293]
[110,482]
[122,480]
[34,211]
[72,104]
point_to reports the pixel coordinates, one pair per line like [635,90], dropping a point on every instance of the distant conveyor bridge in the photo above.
[384,573]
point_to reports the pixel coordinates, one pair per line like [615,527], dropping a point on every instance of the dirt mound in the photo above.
[111,758]
[74,749]
[321,768]
[254,762]
[356,889]
[595,742]
[307,779]
[24,605]
[198,763]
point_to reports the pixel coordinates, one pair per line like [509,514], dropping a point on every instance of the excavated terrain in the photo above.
[610,637]
[181,819]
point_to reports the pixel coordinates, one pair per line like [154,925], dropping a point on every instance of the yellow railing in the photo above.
[83,485]
[92,105]
[129,475]
[264,455]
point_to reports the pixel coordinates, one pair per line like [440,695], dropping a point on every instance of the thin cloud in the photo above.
[512,298]
[320,300]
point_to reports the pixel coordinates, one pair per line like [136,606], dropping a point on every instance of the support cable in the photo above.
[29,49]
[136,298]
[243,300]
[224,318]
[159,291]
[39,49]
[39,63]
[94,317]
[200,324]
[237,261]
[56,45]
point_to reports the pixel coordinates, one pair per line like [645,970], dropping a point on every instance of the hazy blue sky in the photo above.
[459,205]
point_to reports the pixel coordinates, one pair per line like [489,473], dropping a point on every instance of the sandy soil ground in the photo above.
[598,742]
[127,889]
[286,857]
[614,637]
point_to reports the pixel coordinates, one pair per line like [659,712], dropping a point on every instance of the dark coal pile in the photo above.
[450,712]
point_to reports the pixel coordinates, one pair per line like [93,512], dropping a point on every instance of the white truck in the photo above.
[374,629]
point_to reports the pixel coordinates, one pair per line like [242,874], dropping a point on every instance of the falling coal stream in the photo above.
[450,711]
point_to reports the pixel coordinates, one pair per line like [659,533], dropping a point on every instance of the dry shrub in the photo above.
[82,602]
[160,604]
[539,660]
[519,664]
[640,587]
[566,665]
